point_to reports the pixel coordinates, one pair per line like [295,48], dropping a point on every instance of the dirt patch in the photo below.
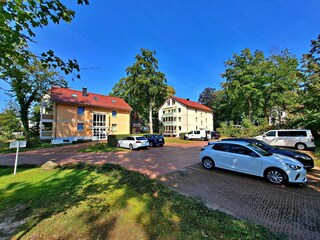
[8,222]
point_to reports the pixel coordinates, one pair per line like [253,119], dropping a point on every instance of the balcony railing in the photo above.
[46,134]
[170,114]
[169,123]
[47,116]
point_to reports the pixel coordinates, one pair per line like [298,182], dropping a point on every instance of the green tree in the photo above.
[309,112]
[28,85]
[280,85]
[9,122]
[244,82]
[144,88]
[18,21]
[257,87]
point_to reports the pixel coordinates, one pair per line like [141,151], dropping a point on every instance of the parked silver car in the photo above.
[133,142]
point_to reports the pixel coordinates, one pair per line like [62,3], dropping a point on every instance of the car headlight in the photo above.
[294,167]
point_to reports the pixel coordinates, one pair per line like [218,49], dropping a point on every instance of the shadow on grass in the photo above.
[165,213]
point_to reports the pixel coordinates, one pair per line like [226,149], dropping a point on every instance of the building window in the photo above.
[114,127]
[179,128]
[114,113]
[196,119]
[80,127]
[173,101]
[179,119]
[80,110]
[201,114]
[196,110]
[196,127]
[168,103]
[163,112]
[201,122]
[179,109]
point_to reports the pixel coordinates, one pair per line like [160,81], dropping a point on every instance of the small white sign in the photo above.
[15,144]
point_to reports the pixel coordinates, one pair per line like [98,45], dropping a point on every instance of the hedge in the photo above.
[181,135]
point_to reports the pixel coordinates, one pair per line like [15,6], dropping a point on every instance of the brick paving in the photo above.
[292,210]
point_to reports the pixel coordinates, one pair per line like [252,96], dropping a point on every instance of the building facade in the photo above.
[72,114]
[180,115]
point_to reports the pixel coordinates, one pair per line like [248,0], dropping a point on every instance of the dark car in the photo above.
[215,135]
[155,140]
[302,157]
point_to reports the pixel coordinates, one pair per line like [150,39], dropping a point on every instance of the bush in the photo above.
[181,135]
[33,141]
[246,130]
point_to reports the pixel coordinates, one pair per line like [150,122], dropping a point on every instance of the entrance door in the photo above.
[99,127]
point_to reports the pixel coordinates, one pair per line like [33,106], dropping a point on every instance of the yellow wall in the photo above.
[66,119]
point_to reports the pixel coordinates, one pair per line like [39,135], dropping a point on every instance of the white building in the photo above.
[180,115]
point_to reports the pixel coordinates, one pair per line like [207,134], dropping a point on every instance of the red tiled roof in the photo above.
[192,104]
[74,97]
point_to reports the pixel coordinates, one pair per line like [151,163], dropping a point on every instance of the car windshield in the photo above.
[259,150]
[141,138]
[158,136]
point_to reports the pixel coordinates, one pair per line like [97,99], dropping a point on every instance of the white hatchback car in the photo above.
[133,142]
[250,159]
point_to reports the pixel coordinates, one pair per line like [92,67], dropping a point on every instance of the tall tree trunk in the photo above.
[25,119]
[250,110]
[150,117]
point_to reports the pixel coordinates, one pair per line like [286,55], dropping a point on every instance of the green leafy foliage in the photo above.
[9,123]
[28,85]
[144,88]
[19,19]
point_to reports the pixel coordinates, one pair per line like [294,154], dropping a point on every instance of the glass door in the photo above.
[99,127]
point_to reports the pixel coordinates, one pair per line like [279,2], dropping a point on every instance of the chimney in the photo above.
[84,92]
[188,99]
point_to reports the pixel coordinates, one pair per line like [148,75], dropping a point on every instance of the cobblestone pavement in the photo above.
[292,210]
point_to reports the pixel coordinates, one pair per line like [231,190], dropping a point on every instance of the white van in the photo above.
[198,135]
[298,138]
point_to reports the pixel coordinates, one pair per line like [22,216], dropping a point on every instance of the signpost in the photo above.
[17,145]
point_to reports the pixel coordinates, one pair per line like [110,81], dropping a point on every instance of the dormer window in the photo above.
[95,98]
[168,103]
[113,101]
[74,95]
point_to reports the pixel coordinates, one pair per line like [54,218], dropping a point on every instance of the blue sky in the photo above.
[192,38]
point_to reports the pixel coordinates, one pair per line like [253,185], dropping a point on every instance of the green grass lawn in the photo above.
[107,202]
[176,140]
[4,147]
[102,147]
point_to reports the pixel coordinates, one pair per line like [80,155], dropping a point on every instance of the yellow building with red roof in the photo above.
[71,115]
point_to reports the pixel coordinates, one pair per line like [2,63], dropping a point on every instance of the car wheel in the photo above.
[301,146]
[202,139]
[118,145]
[207,163]
[276,176]
[151,144]
[186,138]
[130,146]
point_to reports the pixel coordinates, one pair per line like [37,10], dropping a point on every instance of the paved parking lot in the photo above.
[292,210]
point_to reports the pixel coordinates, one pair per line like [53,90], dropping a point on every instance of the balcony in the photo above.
[169,123]
[170,114]
[46,134]
[47,117]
